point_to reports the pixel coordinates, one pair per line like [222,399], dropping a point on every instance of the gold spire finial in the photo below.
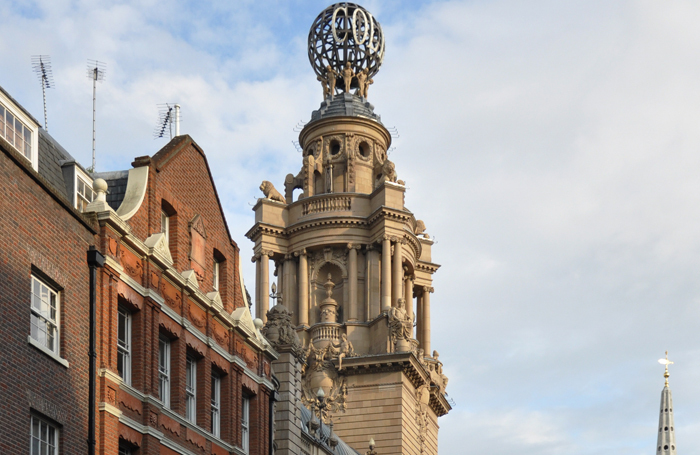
[666,362]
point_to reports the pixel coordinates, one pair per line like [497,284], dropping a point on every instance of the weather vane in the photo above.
[345,42]
[666,362]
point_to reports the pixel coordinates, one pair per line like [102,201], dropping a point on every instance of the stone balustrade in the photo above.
[326,204]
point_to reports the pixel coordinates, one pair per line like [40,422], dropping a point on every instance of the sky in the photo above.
[550,147]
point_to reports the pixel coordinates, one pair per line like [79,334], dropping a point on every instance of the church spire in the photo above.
[666,442]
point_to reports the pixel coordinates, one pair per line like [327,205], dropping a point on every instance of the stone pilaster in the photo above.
[397,277]
[426,319]
[352,279]
[386,274]
[303,304]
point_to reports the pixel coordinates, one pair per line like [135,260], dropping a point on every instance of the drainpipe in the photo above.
[94,260]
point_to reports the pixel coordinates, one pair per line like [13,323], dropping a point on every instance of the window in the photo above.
[215,404]
[191,390]
[245,424]
[124,449]
[15,132]
[44,438]
[164,371]
[216,275]
[45,316]
[124,345]
[165,226]
[84,195]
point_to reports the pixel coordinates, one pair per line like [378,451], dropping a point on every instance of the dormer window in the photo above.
[84,194]
[18,129]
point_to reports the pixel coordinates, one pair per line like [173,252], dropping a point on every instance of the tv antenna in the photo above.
[96,72]
[167,115]
[41,64]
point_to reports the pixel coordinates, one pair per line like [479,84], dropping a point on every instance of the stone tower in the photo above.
[666,441]
[353,265]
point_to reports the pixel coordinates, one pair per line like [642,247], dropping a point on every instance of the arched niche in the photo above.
[319,277]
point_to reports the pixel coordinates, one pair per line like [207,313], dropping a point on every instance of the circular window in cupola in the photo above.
[363,149]
[334,147]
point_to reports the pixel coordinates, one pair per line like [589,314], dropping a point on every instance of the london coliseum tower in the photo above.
[353,265]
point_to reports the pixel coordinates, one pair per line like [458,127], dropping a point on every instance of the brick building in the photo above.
[181,365]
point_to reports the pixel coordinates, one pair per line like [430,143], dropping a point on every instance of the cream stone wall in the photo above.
[361,233]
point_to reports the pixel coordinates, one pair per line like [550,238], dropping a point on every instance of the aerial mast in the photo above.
[41,64]
[96,72]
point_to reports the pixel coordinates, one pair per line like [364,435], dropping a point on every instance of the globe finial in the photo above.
[346,42]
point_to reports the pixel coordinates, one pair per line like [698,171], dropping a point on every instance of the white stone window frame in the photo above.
[40,442]
[164,370]
[245,424]
[30,124]
[80,175]
[191,389]
[165,226]
[37,313]
[215,404]
[124,347]
[215,272]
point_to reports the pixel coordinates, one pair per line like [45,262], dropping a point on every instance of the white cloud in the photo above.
[550,147]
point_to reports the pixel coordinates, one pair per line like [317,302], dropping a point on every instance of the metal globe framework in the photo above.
[346,33]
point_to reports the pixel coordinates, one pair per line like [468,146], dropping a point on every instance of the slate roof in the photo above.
[341,449]
[51,156]
[116,183]
[345,105]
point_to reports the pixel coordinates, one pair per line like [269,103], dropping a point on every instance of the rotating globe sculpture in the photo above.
[346,48]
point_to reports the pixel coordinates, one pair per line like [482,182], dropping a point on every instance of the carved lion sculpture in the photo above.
[389,170]
[270,192]
[420,229]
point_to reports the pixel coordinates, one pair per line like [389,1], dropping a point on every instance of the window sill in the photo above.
[47,351]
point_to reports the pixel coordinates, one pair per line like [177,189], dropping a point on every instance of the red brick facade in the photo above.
[163,303]
[33,220]
[41,234]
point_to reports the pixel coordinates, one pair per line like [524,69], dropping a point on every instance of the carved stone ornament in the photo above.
[422,418]
[280,332]
[321,373]
[271,193]
[400,324]
[159,244]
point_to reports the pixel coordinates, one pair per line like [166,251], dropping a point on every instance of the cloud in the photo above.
[550,147]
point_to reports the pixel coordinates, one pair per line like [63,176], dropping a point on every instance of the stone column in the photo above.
[386,273]
[397,278]
[408,296]
[289,291]
[264,302]
[352,279]
[373,293]
[419,317]
[256,260]
[426,319]
[303,310]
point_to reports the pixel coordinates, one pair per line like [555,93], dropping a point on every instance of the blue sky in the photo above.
[551,148]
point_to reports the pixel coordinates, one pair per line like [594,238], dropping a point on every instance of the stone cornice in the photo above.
[429,267]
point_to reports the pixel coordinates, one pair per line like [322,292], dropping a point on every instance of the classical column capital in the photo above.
[428,289]
[268,253]
[354,246]
[369,247]
[255,258]
[288,256]
[386,237]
